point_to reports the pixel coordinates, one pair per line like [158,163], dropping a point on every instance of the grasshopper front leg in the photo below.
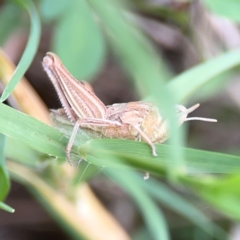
[87,122]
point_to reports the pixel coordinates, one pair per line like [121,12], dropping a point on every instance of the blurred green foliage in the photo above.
[82,33]
[228,9]
[77,38]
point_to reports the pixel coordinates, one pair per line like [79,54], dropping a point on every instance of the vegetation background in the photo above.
[167,51]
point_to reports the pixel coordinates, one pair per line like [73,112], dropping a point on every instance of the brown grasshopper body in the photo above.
[139,121]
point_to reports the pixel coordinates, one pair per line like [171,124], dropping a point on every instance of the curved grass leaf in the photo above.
[187,83]
[29,51]
[78,41]
[4,176]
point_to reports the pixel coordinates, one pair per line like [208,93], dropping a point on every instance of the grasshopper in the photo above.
[140,121]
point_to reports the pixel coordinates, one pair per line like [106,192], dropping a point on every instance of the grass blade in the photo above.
[4,176]
[32,132]
[29,51]
[136,155]
[201,74]
[169,198]
[152,215]
[223,194]
[144,66]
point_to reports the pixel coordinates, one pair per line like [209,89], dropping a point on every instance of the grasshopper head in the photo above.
[183,112]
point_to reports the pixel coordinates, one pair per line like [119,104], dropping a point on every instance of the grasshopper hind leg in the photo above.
[147,140]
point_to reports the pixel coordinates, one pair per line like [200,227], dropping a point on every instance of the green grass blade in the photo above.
[34,133]
[152,215]
[183,207]
[22,153]
[4,176]
[6,208]
[145,67]
[136,155]
[29,51]
[222,194]
[187,83]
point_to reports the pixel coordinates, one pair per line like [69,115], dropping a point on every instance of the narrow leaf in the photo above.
[4,176]
[152,215]
[29,51]
[136,155]
[187,83]
[36,134]
[145,67]
[169,199]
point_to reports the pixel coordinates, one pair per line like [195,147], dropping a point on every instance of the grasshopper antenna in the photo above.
[191,109]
